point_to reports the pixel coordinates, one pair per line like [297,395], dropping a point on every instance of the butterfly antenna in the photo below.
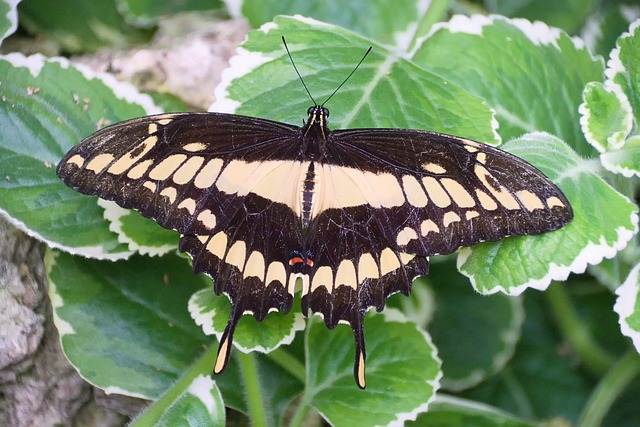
[297,72]
[348,77]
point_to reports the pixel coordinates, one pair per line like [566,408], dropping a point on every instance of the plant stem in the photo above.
[289,363]
[202,366]
[301,413]
[436,11]
[595,359]
[611,386]
[252,390]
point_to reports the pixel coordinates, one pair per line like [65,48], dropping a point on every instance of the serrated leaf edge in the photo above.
[205,321]
[626,302]
[114,214]
[12,17]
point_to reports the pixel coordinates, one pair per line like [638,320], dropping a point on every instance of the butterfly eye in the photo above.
[311,110]
[325,112]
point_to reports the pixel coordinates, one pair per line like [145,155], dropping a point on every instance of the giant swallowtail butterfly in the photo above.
[353,213]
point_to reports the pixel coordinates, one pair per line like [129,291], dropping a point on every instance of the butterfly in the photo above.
[352,214]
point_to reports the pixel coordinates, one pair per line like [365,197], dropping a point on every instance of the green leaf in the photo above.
[569,15]
[149,12]
[531,74]
[604,27]
[476,336]
[540,382]
[212,313]
[447,411]
[367,17]
[628,306]
[41,118]
[625,161]
[124,325]
[8,18]
[604,222]
[401,362]
[606,116]
[387,90]
[141,235]
[609,110]
[80,26]
[200,405]
[623,67]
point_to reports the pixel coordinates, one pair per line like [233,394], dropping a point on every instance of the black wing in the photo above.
[394,197]
[195,173]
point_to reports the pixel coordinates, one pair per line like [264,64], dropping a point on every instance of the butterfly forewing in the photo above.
[354,214]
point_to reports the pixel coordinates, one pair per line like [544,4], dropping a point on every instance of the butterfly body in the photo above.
[353,214]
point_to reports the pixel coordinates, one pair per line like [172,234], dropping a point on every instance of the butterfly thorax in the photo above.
[315,138]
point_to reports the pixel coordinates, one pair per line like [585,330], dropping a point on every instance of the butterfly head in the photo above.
[318,114]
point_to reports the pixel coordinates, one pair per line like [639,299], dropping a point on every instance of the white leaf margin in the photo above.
[626,302]
[593,253]
[615,141]
[203,316]
[125,91]
[12,17]
[539,33]
[114,214]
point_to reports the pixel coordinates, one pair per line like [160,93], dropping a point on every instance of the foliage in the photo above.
[140,325]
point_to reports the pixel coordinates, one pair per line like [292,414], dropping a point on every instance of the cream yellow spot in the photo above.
[195,146]
[434,168]
[502,194]
[322,277]
[164,122]
[436,192]
[207,218]
[405,236]
[188,169]
[450,218]
[222,356]
[237,254]
[255,266]
[139,170]
[405,258]
[346,274]
[481,157]
[460,196]
[77,160]
[170,193]
[428,226]
[485,200]
[133,155]
[188,204]
[208,174]
[150,185]
[530,201]
[415,194]
[471,214]
[276,273]
[470,149]
[100,162]
[153,128]
[166,167]
[554,201]
[388,261]
[367,267]
[218,245]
